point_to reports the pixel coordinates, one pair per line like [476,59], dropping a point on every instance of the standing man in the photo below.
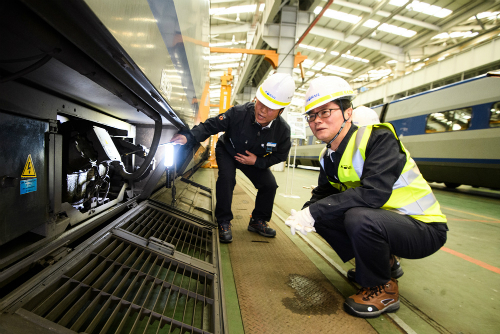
[371,203]
[256,137]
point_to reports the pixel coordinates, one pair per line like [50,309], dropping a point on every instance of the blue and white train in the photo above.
[452,132]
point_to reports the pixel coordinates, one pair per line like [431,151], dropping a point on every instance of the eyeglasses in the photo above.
[321,114]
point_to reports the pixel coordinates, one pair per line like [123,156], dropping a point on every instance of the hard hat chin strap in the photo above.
[341,127]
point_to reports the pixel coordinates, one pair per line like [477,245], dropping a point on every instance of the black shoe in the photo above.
[225,234]
[260,226]
[396,270]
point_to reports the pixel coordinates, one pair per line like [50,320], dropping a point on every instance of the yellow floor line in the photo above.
[469,213]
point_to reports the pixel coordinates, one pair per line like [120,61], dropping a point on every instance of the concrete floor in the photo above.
[455,290]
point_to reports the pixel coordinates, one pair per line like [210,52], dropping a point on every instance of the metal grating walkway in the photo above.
[188,238]
[122,288]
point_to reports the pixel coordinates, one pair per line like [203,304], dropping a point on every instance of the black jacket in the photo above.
[383,165]
[243,133]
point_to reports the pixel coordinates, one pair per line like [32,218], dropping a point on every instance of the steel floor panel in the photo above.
[279,289]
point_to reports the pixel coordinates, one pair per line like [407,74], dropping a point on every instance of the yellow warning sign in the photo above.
[29,168]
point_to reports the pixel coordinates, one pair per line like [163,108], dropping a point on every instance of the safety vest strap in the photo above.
[407,177]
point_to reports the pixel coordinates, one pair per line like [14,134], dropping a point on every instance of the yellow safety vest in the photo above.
[411,195]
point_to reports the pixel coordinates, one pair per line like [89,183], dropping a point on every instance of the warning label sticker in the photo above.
[29,168]
[28,186]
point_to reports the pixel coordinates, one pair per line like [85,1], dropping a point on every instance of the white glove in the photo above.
[301,221]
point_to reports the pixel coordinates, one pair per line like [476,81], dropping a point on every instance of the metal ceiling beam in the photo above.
[229,28]
[359,40]
[367,42]
[227,20]
[470,10]
[382,13]
[366,18]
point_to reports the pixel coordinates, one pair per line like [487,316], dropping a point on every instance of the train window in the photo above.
[495,115]
[453,120]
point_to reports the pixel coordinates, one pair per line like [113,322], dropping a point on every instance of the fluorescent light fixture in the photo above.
[423,7]
[338,69]
[142,19]
[485,15]
[330,68]
[392,29]
[309,47]
[231,56]
[226,43]
[355,58]
[223,66]
[455,34]
[236,9]
[169,155]
[341,16]
[143,46]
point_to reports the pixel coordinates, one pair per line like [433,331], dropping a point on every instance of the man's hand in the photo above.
[301,221]
[178,139]
[248,159]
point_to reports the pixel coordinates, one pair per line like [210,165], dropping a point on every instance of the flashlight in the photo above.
[169,155]
[168,161]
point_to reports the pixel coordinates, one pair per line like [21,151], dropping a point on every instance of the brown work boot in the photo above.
[372,302]
[396,270]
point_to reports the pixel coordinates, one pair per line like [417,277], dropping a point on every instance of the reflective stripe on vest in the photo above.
[411,195]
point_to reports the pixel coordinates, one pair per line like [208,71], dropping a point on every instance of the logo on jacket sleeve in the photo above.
[222,117]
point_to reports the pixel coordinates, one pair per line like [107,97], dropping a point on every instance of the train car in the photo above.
[452,132]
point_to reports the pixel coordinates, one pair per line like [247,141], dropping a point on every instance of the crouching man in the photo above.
[256,137]
[371,203]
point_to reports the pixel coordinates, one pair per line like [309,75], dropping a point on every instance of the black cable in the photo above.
[20,60]
[26,70]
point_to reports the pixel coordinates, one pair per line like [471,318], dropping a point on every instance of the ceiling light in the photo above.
[226,43]
[341,16]
[390,28]
[309,47]
[423,7]
[348,56]
[485,15]
[235,9]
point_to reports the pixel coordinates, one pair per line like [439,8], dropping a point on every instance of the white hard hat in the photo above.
[276,92]
[362,116]
[325,89]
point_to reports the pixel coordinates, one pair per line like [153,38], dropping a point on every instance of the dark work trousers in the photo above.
[372,235]
[262,179]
